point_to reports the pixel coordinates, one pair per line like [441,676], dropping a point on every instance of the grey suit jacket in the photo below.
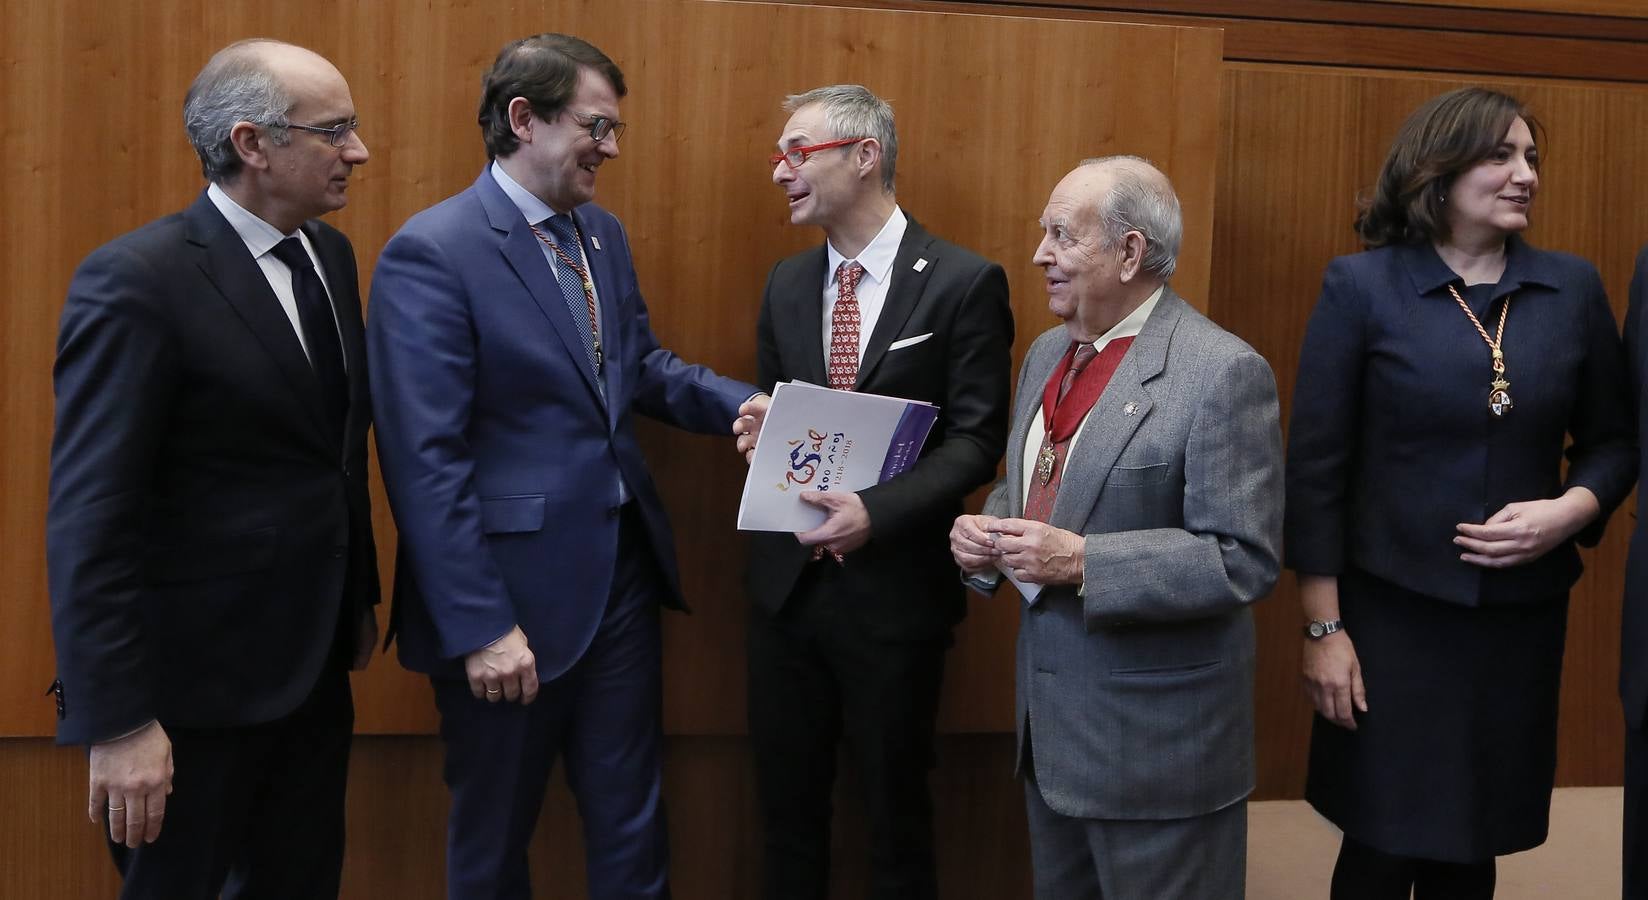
[1138,694]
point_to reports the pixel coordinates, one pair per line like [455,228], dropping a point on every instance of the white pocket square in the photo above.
[908,342]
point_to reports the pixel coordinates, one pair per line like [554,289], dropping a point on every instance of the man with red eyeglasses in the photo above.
[850,621]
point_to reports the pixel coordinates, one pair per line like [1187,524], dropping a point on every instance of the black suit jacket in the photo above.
[206,532]
[1633,657]
[903,582]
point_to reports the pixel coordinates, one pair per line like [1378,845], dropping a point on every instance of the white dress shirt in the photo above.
[1129,326]
[877,259]
[261,238]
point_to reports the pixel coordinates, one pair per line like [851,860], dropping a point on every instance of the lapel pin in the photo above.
[1130,408]
[920,264]
[595,241]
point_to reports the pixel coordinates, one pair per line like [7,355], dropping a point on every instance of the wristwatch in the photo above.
[1318,629]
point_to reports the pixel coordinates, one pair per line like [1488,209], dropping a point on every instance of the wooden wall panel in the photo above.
[1623,8]
[1339,33]
[1300,146]
[980,153]
[1292,148]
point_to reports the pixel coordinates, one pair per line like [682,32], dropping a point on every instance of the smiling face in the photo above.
[1083,276]
[560,155]
[827,184]
[1493,197]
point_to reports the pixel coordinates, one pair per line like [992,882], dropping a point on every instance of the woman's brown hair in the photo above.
[1445,137]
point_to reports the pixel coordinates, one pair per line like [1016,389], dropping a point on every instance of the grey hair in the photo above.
[1141,199]
[235,86]
[851,111]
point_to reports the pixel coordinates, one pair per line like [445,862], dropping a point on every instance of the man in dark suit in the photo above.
[1141,513]
[511,351]
[208,537]
[1633,656]
[851,620]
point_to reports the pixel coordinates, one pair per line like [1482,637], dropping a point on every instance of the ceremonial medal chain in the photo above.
[1499,397]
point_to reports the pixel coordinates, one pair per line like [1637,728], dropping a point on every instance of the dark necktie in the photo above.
[320,330]
[576,286]
[844,322]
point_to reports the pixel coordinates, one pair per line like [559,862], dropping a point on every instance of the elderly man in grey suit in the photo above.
[1140,516]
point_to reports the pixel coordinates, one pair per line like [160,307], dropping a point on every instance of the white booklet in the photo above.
[818,439]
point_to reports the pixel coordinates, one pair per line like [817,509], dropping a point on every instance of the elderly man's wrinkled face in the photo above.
[1081,271]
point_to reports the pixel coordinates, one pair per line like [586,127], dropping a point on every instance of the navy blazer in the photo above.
[500,456]
[1391,443]
[1633,657]
[206,529]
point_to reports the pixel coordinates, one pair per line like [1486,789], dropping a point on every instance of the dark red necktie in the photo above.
[1084,376]
[844,327]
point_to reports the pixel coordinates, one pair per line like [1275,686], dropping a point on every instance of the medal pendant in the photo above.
[1499,398]
[1044,464]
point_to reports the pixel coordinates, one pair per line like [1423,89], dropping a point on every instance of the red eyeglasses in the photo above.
[795,156]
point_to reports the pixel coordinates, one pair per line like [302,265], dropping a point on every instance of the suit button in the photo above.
[613,511]
[346,472]
[337,552]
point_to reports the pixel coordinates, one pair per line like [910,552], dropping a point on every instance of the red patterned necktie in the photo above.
[1061,423]
[844,327]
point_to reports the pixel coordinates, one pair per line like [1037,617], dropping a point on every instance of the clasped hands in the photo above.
[1523,532]
[1034,552]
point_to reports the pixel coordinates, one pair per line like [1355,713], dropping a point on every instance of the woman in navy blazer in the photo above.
[1428,517]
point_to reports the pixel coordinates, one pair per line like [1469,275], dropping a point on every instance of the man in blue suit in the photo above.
[511,346]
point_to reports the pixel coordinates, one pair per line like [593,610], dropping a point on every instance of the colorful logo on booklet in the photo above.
[820,456]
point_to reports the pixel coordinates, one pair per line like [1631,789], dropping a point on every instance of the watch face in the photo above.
[1317,629]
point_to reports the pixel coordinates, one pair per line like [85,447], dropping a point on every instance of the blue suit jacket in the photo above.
[1391,444]
[500,458]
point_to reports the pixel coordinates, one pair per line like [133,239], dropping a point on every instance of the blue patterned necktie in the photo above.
[575,284]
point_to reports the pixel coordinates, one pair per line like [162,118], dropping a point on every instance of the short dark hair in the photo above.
[1441,140]
[544,69]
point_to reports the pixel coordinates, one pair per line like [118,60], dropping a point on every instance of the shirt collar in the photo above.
[1523,265]
[1132,323]
[259,236]
[535,210]
[878,256]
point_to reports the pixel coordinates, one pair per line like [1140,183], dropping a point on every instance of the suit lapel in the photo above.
[1111,425]
[525,254]
[603,269]
[904,291]
[806,326]
[237,277]
[340,280]
[1038,367]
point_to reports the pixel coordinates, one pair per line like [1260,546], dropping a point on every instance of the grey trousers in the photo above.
[1199,858]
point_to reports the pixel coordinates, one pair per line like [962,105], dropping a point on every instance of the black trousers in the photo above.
[255,812]
[1636,815]
[1363,873]
[818,676]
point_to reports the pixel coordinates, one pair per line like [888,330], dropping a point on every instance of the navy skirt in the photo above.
[1456,756]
